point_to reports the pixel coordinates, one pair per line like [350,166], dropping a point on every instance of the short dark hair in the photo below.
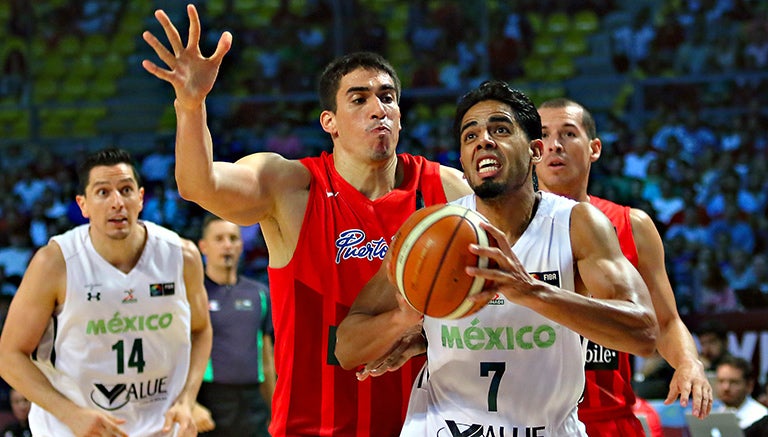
[713,327]
[587,120]
[745,366]
[330,79]
[207,220]
[523,108]
[104,157]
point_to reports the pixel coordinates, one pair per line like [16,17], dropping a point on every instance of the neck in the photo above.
[511,213]
[121,253]
[372,178]
[222,275]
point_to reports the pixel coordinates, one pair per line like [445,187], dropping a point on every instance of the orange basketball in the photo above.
[429,254]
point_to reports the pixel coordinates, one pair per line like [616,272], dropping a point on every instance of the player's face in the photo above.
[496,154]
[112,200]
[568,151]
[367,117]
[732,388]
[221,244]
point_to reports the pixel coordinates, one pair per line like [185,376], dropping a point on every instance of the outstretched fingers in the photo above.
[159,49]
[194,27]
[170,31]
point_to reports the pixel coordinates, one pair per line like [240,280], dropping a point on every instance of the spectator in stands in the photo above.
[713,342]
[16,255]
[752,196]
[20,407]
[284,140]
[13,83]
[756,50]
[7,288]
[669,35]
[158,164]
[714,293]
[631,43]
[639,157]
[732,225]
[760,270]
[735,382]
[738,268]
[689,228]
[668,203]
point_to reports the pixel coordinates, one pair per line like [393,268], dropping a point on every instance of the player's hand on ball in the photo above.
[505,273]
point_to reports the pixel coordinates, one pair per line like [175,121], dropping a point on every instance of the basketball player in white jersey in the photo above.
[108,333]
[516,367]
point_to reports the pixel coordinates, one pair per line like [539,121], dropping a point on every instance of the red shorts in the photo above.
[624,426]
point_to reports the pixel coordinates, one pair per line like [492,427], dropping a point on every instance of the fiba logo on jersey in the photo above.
[119,395]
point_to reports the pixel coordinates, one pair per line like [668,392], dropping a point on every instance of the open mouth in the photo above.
[487,166]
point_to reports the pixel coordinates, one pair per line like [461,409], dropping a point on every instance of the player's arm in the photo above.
[41,290]
[201,338]
[378,318]
[611,306]
[242,192]
[454,183]
[675,343]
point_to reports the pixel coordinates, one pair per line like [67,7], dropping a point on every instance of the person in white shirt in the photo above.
[735,381]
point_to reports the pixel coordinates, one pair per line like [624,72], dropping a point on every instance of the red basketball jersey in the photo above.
[343,240]
[608,389]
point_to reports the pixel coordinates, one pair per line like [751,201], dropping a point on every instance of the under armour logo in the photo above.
[331,194]
[92,296]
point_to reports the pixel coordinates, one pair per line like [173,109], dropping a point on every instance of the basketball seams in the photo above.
[447,245]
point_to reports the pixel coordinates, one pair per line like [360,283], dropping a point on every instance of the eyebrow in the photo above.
[360,89]
[121,181]
[492,119]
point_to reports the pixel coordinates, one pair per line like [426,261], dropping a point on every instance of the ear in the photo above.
[80,199]
[595,149]
[328,122]
[141,199]
[536,149]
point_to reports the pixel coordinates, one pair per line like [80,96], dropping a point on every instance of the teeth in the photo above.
[487,164]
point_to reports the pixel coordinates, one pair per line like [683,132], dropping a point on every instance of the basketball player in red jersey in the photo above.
[570,147]
[327,222]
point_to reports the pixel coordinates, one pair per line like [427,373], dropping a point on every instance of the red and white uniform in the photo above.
[343,240]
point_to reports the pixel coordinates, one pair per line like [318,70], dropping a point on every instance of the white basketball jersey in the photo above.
[121,341]
[506,370]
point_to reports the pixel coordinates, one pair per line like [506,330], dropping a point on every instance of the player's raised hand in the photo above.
[191,74]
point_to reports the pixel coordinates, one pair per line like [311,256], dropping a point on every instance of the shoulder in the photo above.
[50,258]
[189,250]
[586,219]
[284,172]
[642,223]
[454,183]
